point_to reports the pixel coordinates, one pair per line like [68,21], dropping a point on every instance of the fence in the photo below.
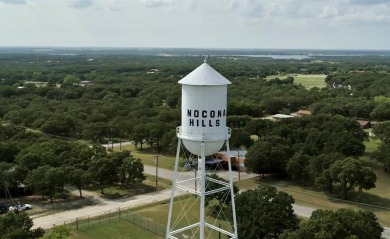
[117,214]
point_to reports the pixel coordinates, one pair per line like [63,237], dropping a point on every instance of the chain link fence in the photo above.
[117,214]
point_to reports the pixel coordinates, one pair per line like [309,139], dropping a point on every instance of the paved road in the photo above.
[104,205]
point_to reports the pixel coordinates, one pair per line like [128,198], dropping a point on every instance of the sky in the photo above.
[262,24]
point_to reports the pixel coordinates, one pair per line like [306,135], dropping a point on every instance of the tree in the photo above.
[224,197]
[260,127]
[103,171]
[344,223]
[18,226]
[139,134]
[269,155]
[36,179]
[382,154]
[264,213]
[70,80]
[381,112]
[156,132]
[349,174]
[297,167]
[240,137]
[55,178]
[58,232]
[46,179]
[131,171]
[382,131]
[77,177]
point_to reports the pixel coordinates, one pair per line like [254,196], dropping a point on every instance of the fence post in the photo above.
[99,217]
[77,224]
[119,212]
[88,220]
[109,216]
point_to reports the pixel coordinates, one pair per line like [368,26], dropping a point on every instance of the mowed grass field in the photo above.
[156,212]
[308,81]
[148,156]
[115,229]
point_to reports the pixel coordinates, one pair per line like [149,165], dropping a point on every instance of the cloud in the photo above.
[16,2]
[156,3]
[369,2]
[81,3]
[308,12]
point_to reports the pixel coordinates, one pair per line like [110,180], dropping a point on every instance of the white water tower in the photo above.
[203,132]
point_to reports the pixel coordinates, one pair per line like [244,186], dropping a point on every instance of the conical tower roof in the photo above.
[204,75]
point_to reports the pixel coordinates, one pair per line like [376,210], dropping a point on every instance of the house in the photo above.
[302,113]
[237,158]
[278,117]
[364,124]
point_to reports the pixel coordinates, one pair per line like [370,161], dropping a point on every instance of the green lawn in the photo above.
[147,186]
[159,213]
[147,156]
[308,81]
[114,229]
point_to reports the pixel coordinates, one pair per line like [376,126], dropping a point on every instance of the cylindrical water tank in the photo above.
[203,110]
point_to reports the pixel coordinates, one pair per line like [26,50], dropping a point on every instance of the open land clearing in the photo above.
[307,80]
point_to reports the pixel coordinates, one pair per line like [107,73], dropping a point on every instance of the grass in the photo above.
[147,156]
[156,212]
[308,81]
[147,186]
[159,212]
[115,229]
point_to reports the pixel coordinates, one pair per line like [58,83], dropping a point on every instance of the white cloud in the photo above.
[16,2]
[156,3]
[81,3]
[312,11]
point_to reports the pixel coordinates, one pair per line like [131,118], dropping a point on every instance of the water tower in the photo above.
[202,133]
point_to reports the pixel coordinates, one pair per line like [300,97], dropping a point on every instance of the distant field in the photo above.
[308,81]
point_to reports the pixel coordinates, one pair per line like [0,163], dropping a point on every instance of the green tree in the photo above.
[103,171]
[18,226]
[132,171]
[240,137]
[297,167]
[58,232]
[382,131]
[36,179]
[77,177]
[70,80]
[269,155]
[342,224]
[349,174]
[224,197]
[382,154]
[264,213]
[139,134]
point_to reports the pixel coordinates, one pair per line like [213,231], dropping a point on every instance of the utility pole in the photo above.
[156,162]
[239,165]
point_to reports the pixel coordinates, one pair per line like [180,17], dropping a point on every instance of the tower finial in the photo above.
[205,58]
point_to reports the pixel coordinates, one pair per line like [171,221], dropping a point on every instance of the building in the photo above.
[364,124]
[303,113]
[278,117]
[237,158]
